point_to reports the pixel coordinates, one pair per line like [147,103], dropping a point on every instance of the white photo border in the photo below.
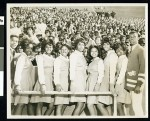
[9,5]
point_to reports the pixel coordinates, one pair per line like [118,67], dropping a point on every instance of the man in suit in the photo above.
[13,44]
[135,74]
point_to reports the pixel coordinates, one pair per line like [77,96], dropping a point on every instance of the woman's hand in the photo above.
[59,88]
[17,89]
[43,89]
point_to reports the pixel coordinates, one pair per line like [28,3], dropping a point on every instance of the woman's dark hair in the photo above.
[106,40]
[44,41]
[17,48]
[25,43]
[58,45]
[50,44]
[120,45]
[37,46]
[77,42]
[89,52]
[67,46]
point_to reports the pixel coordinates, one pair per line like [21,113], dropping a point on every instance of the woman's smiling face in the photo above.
[106,46]
[94,52]
[80,46]
[64,51]
[48,48]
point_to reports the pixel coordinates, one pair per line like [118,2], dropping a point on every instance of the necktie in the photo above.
[14,53]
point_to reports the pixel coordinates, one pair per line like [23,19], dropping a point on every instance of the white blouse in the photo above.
[73,62]
[100,70]
[19,68]
[121,69]
[57,68]
[39,61]
[41,65]
[113,59]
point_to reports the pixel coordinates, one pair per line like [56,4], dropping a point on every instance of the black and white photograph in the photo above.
[83,60]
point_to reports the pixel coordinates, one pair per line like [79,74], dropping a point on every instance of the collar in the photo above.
[23,53]
[110,51]
[95,59]
[122,56]
[47,55]
[78,52]
[63,58]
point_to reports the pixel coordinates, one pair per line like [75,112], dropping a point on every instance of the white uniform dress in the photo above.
[61,74]
[23,78]
[78,75]
[110,63]
[95,75]
[45,66]
[123,95]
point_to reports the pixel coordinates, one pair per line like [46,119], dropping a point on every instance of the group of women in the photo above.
[71,72]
